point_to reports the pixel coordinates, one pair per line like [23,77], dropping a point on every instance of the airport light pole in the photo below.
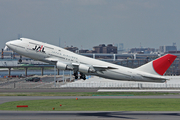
[70,75]
[54,75]
[63,76]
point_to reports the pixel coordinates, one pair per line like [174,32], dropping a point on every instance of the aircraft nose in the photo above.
[13,44]
[8,43]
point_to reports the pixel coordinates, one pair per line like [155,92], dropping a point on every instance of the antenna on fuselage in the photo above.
[19,36]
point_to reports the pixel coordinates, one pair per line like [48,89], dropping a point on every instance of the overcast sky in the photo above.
[86,23]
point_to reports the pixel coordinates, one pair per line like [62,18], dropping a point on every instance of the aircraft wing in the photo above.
[102,68]
[76,65]
[94,67]
[51,59]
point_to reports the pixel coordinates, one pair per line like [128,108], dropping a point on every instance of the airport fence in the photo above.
[27,85]
[122,85]
[107,85]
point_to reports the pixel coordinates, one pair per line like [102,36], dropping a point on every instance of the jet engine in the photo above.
[86,69]
[64,66]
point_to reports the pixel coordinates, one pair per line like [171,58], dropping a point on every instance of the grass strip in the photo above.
[95,105]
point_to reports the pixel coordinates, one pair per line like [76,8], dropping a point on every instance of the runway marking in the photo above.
[127,90]
[21,106]
[89,115]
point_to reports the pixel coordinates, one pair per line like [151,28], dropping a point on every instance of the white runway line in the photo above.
[127,90]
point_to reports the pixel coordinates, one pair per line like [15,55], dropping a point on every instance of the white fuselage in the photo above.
[43,51]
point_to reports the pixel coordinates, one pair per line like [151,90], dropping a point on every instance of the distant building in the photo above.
[142,50]
[91,51]
[87,51]
[72,49]
[173,52]
[102,48]
[166,49]
[121,47]
[99,49]
[83,51]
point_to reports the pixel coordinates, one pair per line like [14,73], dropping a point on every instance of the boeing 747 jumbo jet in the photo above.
[66,60]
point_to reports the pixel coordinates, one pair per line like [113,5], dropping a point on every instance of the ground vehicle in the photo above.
[33,79]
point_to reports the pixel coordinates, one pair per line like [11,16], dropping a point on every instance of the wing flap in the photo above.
[102,68]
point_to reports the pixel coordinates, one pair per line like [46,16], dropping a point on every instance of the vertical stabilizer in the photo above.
[158,66]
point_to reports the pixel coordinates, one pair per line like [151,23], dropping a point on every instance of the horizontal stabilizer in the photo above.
[154,78]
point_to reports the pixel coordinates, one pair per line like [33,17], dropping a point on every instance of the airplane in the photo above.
[66,60]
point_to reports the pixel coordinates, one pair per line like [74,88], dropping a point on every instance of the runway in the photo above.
[4,99]
[88,115]
[86,90]
[139,90]
[48,90]
[81,115]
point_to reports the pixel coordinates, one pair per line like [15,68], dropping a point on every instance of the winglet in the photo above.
[163,63]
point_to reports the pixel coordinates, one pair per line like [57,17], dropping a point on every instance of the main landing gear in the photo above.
[76,75]
[82,75]
[20,60]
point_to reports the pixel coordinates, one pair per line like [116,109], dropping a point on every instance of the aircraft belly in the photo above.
[113,75]
[126,77]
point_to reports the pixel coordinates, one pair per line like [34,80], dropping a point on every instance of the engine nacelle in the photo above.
[85,69]
[64,66]
[61,66]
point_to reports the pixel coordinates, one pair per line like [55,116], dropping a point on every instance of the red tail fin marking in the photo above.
[162,64]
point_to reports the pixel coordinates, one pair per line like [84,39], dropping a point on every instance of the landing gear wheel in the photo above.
[83,76]
[20,60]
[76,75]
